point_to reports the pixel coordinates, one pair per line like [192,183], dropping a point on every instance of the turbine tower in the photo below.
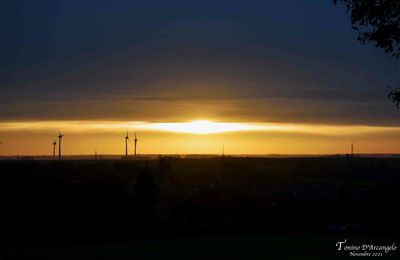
[126,144]
[54,149]
[60,136]
[135,140]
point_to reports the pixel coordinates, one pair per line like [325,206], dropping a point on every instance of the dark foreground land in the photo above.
[202,208]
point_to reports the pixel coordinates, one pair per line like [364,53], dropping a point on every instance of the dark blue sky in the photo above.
[289,61]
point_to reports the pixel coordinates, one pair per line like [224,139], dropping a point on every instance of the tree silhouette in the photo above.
[378,22]
[146,197]
[394,96]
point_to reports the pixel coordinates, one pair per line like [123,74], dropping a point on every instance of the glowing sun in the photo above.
[202,127]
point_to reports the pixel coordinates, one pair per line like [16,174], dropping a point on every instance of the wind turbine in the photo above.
[54,149]
[126,144]
[60,136]
[135,140]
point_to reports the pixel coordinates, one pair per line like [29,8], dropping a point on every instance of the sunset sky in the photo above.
[255,76]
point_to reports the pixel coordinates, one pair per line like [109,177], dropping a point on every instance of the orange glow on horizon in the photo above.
[196,137]
[193,127]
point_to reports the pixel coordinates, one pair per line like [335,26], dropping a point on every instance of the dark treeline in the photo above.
[64,202]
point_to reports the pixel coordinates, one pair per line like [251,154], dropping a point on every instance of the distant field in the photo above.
[214,206]
[272,246]
[198,156]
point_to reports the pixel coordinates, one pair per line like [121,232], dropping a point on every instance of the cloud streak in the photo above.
[194,127]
